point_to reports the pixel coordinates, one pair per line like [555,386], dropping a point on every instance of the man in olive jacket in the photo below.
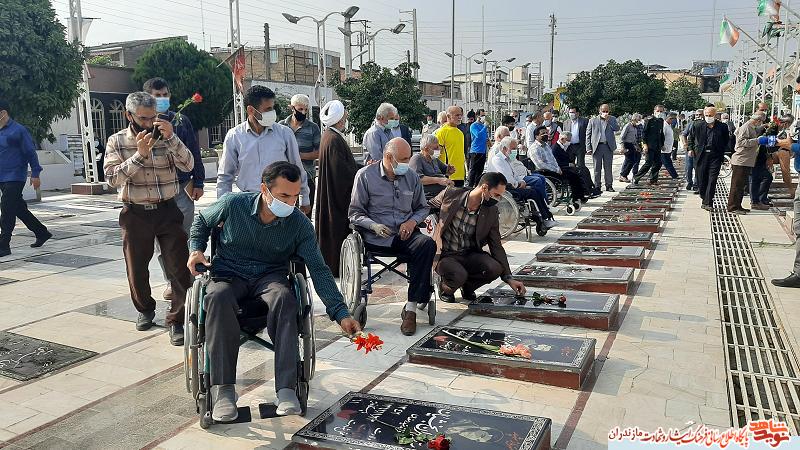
[743,160]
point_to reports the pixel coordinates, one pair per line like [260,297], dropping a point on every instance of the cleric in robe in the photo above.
[337,170]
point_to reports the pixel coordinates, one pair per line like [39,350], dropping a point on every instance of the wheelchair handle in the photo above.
[201,268]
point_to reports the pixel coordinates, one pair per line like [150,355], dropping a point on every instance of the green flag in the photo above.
[747,85]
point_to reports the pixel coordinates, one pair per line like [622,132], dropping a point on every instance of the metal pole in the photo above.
[713,24]
[484,88]
[529,91]
[267,68]
[552,44]
[453,52]
[416,52]
[348,51]
[324,68]
[469,82]
[203,24]
[238,103]
[319,67]
[89,152]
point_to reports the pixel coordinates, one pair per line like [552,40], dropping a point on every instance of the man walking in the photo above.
[743,160]
[17,152]
[691,173]
[477,151]
[144,170]
[601,143]
[653,137]
[707,143]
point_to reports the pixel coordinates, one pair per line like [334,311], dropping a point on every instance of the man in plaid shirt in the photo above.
[144,170]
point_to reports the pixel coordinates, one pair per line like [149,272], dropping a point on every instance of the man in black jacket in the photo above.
[653,136]
[707,144]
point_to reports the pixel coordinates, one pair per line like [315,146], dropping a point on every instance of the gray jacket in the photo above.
[595,129]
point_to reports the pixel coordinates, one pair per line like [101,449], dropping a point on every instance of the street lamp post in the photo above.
[370,37]
[468,66]
[322,66]
[496,83]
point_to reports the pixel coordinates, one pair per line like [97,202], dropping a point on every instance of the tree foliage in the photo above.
[101,60]
[548,98]
[188,70]
[362,96]
[683,95]
[626,87]
[39,69]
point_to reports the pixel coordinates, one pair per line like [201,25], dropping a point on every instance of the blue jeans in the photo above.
[666,161]
[760,182]
[691,179]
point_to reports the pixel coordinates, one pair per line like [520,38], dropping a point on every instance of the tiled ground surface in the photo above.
[663,367]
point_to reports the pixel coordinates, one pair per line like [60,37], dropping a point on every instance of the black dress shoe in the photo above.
[447,298]
[176,335]
[610,189]
[792,281]
[145,320]
[40,240]
[468,295]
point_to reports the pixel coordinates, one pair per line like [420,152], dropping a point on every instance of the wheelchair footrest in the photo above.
[268,410]
[244,416]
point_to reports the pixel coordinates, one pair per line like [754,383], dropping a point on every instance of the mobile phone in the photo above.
[157,130]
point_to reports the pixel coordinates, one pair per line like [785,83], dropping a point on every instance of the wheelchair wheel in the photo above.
[301,390]
[360,314]
[350,265]
[552,193]
[432,311]
[571,210]
[577,204]
[205,415]
[190,347]
[306,338]
[509,215]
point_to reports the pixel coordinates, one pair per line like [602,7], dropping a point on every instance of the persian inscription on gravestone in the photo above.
[571,271]
[548,299]
[608,235]
[557,249]
[369,421]
[621,219]
[24,358]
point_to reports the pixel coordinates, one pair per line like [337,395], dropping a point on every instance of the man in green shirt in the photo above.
[261,232]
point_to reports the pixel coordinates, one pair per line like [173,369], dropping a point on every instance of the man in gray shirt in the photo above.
[380,132]
[256,143]
[387,203]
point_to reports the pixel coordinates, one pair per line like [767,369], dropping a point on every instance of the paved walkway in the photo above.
[664,367]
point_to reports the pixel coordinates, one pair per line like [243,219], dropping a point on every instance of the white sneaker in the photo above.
[224,409]
[550,223]
[287,403]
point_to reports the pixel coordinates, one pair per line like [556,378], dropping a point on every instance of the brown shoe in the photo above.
[168,295]
[409,325]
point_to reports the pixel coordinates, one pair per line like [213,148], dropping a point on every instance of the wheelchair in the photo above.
[252,316]
[357,276]
[559,192]
[516,216]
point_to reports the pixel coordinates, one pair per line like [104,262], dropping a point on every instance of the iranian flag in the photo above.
[769,8]
[728,34]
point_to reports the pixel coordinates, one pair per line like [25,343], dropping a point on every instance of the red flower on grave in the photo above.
[520,350]
[368,342]
[440,339]
[197,98]
[439,443]
[345,414]
[562,298]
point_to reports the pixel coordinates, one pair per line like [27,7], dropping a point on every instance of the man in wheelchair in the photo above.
[530,187]
[260,234]
[546,164]
[386,205]
[468,221]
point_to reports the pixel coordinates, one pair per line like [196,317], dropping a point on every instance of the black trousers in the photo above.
[652,164]
[311,172]
[708,167]
[13,206]
[476,163]
[418,251]
[760,182]
[222,301]
[577,154]
[739,176]
[572,177]
[468,270]
[632,158]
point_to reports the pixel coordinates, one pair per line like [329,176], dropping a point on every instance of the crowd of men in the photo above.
[284,168]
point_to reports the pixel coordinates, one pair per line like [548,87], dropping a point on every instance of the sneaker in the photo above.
[610,189]
[287,403]
[792,281]
[447,298]
[40,240]
[623,179]
[145,320]
[176,334]
[550,223]
[224,409]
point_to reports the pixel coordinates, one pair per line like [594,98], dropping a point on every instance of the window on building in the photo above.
[273,56]
[328,61]
[116,114]
[99,121]
[312,58]
[216,135]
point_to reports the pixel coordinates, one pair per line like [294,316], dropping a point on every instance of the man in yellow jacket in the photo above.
[451,140]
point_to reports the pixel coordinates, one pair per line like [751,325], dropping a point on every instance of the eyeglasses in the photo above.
[145,119]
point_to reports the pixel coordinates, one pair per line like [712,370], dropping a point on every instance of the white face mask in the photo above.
[267,118]
[436,153]
[573,116]
[709,119]
[547,123]
[603,114]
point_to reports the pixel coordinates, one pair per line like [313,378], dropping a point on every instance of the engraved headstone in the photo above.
[620,223]
[580,309]
[635,203]
[611,280]
[23,358]
[644,195]
[541,357]
[369,421]
[617,256]
[649,213]
[615,238]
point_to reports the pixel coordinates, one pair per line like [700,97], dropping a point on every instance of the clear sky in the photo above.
[589,32]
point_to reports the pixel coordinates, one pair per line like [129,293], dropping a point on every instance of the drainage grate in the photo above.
[762,368]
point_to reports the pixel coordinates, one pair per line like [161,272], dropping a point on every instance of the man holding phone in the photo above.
[144,170]
[191,182]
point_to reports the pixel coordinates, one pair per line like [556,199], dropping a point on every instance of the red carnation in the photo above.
[439,443]
[197,98]
[368,342]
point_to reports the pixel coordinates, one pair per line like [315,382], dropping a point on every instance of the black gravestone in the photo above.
[24,358]
[615,256]
[369,421]
[623,238]
[644,195]
[620,223]
[611,280]
[581,309]
[67,260]
[552,359]
[650,213]
[635,203]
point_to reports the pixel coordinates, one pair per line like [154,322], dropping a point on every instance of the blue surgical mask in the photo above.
[280,208]
[399,168]
[393,123]
[162,104]
[547,123]
[513,154]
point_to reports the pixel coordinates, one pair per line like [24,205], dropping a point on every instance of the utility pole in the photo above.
[529,91]
[77,31]
[267,69]
[238,100]
[552,44]
[408,56]
[453,52]
[413,13]
[348,48]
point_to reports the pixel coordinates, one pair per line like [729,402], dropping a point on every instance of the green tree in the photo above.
[362,96]
[188,70]
[683,95]
[548,98]
[39,69]
[101,60]
[626,87]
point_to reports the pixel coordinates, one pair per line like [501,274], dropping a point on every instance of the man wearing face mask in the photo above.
[553,127]
[430,126]
[576,125]
[387,203]
[379,133]
[468,222]
[432,171]
[261,232]
[191,183]
[256,143]
[307,134]
[601,143]
[653,141]
[691,173]
[547,164]
[401,130]
[144,171]
[708,142]
[743,160]
[478,146]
